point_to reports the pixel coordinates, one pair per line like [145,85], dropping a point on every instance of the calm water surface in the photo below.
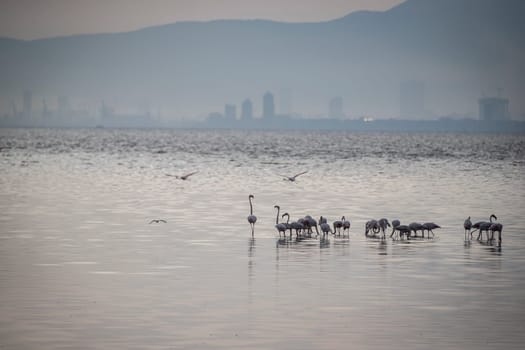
[82,268]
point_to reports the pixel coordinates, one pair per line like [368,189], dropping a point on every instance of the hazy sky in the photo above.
[31,19]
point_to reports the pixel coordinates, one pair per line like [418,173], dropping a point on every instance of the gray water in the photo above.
[82,268]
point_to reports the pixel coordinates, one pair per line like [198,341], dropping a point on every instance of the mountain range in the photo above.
[459,49]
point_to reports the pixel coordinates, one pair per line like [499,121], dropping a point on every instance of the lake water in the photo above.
[82,268]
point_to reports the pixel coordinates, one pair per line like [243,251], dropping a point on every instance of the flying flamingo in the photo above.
[292,178]
[183,177]
[252,219]
[157,221]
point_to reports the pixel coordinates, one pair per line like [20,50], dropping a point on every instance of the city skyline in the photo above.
[490,109]
[419,59]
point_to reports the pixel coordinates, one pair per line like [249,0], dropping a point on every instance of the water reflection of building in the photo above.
[493,108]
[268,106]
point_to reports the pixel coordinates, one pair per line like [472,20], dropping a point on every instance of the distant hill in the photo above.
[459,48]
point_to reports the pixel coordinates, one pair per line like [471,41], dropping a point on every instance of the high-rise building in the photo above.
[268,106]
[412,99]
[230,112]
[247,110]
[336,108]
[493,108]
[28,103]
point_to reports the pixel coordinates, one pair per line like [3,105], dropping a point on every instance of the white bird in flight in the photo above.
[292,178]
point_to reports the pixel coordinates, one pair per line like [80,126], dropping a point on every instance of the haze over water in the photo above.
[81,267]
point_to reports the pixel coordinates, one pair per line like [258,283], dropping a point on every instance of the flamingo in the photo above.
[496,227]
[298,226]
[252,219]
[383,224]
[281,228]
[157,221]
[415,226]
[183,177]
[476,226]
[338,224]
[403,229]
[373,226]
[395,223]
[346,226]
[429,226]
[310,222]
[467,225]
[325,227]
[483,226]
[292,178]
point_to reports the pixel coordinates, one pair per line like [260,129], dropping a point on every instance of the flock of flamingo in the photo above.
[373,228]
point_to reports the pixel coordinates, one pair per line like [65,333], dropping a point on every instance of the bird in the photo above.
[310,222]
[372,225]
[395,223]
[476,227]
[346,226]
[292,178]
[183,177]
[429,226]
[403,229]
[496,227]
[281,228]
[298,226]
[467,225]
[325,227]
[157,221]
[415,226]
[383,224]
[287,223]
[252,219]
[338,224]
[483,226]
